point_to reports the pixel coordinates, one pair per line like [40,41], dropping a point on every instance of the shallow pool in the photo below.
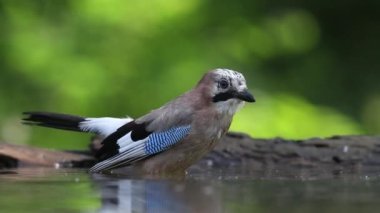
[230,190]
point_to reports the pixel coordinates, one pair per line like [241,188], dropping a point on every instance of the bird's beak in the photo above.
[245,95]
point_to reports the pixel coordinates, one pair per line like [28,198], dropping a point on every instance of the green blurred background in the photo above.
[312,65]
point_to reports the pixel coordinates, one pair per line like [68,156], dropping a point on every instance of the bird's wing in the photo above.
[132,142]
[148,135]
[177,112]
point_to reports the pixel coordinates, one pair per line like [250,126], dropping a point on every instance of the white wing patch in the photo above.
[126,142]
[104,126]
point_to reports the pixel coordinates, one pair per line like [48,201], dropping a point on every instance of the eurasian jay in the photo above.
[168,139]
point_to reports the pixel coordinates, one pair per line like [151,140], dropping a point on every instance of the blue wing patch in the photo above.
[160,141]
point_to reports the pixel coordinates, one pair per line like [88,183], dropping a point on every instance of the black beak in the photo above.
[245,96]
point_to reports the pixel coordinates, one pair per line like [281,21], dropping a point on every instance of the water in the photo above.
[272,190]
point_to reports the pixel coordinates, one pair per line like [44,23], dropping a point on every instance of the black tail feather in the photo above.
[53,120]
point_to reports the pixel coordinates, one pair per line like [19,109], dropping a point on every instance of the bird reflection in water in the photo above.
[128,195]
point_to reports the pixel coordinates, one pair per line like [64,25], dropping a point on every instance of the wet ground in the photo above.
[230,190]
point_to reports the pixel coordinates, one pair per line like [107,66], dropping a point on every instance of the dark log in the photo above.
[235,150]
[19,155]
[238,149]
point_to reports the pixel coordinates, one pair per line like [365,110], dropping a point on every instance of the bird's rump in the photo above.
[103,126]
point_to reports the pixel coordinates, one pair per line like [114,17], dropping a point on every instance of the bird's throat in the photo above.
[229,107]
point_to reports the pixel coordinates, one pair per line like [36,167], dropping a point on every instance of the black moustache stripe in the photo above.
[224,96]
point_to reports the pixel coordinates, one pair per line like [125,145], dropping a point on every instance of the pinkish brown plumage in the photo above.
[168,139]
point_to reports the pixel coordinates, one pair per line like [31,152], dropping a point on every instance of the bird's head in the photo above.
[226,89]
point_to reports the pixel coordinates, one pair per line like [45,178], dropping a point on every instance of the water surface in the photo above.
[270,190]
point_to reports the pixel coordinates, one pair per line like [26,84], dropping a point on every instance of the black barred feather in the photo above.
[53,120]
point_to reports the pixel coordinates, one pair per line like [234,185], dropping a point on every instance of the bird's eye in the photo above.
[223,84]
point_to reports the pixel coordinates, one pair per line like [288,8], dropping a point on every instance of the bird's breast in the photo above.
[179,157]
[206,131]
[212,125]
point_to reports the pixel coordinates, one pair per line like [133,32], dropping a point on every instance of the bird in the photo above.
[168,139]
